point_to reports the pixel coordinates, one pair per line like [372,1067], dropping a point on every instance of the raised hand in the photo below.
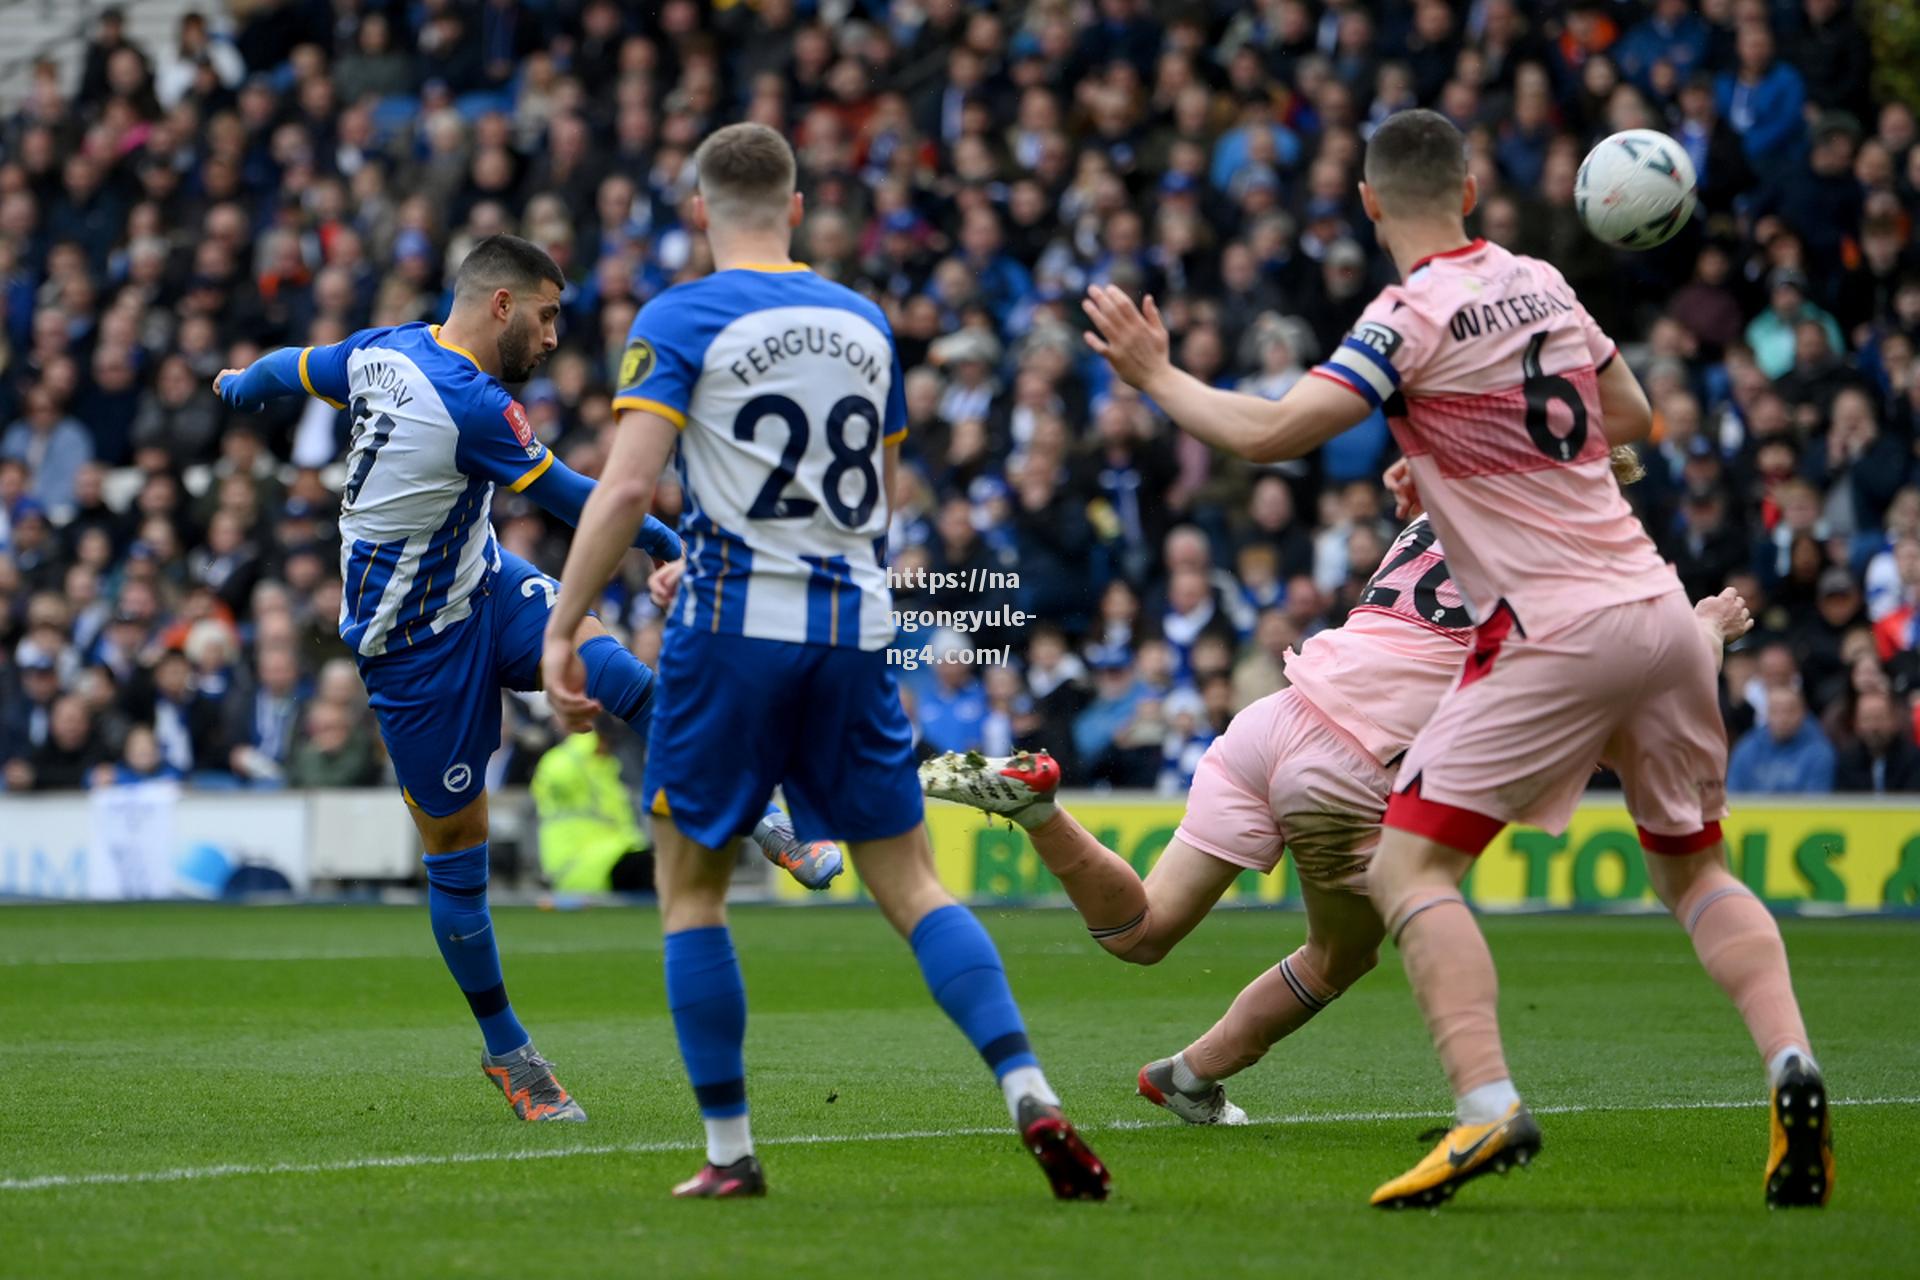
[1133,341]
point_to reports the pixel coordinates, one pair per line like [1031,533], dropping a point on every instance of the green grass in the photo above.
[147,1039]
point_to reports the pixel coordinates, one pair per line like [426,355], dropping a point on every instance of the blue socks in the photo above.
[709,1004]
[618,681]
[457,905]
[964,973]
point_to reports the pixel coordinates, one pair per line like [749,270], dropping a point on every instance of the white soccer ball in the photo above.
[1635,190]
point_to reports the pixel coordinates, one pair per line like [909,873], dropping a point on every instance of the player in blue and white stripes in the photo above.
[440,616]
[781,393]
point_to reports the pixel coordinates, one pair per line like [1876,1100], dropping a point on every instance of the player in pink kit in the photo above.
[1505,396]
[1308,769]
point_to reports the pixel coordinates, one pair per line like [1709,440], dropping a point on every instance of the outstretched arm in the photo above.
[320,372]
[609,520]
[561,490]
[1135,343]
[272,376]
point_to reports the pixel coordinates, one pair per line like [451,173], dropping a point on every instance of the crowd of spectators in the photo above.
[288,172]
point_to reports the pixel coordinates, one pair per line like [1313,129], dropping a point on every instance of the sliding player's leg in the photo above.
[1342,946]
[1281,756]
[864,789]
[1229,825]
[438,711]
[1103,887]
[1136,921]
[1671,758]
[1139,922]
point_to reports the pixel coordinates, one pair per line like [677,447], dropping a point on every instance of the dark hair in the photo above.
[746,174]
[1416,160]
[506,262]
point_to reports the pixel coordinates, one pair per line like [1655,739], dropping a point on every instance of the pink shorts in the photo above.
[1281,777]
[1517,738]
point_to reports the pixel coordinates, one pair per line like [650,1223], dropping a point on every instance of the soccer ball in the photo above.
[1635,190]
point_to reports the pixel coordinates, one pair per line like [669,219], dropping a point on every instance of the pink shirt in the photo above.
[1380,676]
[1487,368]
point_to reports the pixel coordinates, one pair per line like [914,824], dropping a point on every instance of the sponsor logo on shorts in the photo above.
[457,779]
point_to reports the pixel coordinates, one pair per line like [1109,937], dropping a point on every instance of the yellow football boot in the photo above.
[1800,1155]
[1467,1151]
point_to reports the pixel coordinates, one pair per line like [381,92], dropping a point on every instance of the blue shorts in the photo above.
[736,716]
[438,703]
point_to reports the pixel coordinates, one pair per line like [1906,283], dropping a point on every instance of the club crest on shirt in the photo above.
[636,363]
[523,429]
[1382,340]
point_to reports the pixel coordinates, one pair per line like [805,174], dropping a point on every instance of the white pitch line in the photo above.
[197,1173]
[270,956]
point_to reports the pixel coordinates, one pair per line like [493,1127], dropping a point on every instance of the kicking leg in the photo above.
[708,999]
[963,971]
[814,864]
[456,863]
[623,685]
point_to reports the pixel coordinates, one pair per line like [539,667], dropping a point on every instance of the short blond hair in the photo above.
[746,175]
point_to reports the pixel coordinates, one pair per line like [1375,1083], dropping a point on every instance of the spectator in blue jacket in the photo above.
[1003,283]
[954,709]
[1763,98]
[52,444]
[1786,755]
[1673,34]
[1117,694]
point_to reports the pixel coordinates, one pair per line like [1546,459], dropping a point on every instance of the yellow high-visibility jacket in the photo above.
[586,815]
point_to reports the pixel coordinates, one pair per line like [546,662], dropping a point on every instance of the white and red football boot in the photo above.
[1020,787]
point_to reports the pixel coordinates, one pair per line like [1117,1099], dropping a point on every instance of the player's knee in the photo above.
[1137,944]
[1392,880]
[1677,881]
[1145,953]
[1340,966]
[459,830]
[1687,885]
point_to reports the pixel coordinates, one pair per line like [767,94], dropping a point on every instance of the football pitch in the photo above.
[199,1091]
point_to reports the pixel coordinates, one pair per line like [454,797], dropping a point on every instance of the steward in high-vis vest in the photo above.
[590,841]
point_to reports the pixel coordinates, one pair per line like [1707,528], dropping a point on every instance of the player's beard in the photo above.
[520,352]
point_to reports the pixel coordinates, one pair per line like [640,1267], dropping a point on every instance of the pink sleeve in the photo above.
[1602,348]
[1383,352]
